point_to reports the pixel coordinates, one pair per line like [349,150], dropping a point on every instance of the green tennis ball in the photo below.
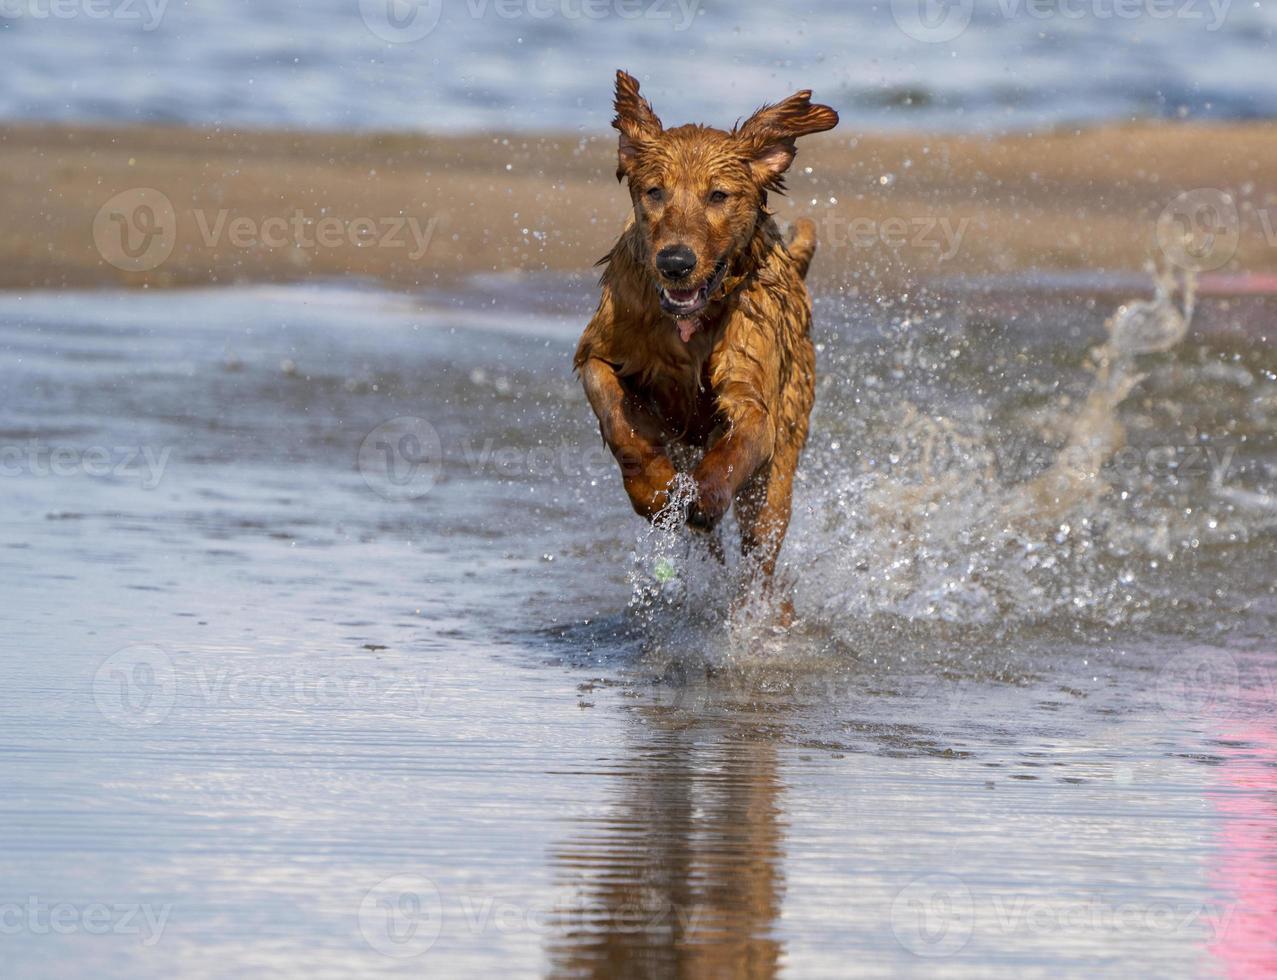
[664,570]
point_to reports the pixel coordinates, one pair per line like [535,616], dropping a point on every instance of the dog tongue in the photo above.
[687,327]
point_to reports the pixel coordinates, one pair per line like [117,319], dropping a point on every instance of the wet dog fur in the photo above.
[699,356]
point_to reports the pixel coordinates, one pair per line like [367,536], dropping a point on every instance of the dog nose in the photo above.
[676,261]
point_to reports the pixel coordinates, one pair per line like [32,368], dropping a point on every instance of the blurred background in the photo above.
[528,65]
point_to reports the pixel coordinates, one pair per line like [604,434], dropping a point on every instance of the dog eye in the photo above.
[718,197]
[655,193]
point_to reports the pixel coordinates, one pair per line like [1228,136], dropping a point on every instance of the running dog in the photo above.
[699,356]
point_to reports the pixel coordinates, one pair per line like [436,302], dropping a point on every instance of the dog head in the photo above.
[699,192]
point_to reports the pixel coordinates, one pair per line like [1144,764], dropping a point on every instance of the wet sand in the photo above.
[247,206]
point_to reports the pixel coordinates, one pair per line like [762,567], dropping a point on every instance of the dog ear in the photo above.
[635,120]
[769,134]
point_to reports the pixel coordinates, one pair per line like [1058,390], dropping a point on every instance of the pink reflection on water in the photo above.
[1245,797]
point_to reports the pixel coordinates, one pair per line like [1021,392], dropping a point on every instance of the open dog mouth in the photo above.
[684,304]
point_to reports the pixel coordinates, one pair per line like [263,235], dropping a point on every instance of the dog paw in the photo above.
[712,500]
[649,487]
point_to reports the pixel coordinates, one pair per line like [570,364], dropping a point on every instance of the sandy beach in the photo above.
[224,206]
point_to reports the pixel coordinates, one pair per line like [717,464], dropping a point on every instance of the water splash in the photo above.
[964,502]
[665,557]
[1094,433]
[695,600]
[945,533]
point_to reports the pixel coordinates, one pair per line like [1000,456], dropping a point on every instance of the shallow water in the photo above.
[469,65]
[306,690]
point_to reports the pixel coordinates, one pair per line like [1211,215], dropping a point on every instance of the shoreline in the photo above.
[412,211]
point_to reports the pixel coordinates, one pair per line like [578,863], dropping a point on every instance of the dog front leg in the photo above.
[728,465]
[633,435]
